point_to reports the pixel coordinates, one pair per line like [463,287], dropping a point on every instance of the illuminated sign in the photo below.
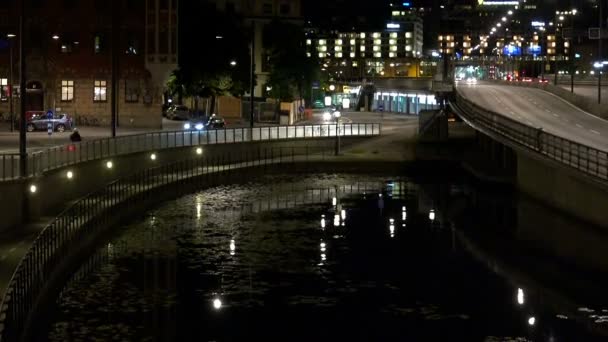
[407,4]
[393,26]
[534,50]
[538,23]
[498,3]
[511,50]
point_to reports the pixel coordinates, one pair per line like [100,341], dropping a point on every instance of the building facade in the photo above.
[69,45]
[392,51]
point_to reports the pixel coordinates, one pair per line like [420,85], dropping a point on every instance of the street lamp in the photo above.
[336,114]
[10,79]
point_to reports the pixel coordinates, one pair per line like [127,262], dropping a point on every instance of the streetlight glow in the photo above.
[55,37]
[199,151]
[109,164]
[69,174]
[153,156]
[11,35]
[33,188]
[233,63]
[217,303]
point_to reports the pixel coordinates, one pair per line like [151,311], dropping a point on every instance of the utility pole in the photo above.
[252,77]
[22,79]
[115,47]
[599,53]
[11,81]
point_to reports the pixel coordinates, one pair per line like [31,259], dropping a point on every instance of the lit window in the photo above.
[362,48]
[67,90]
[362,35]
[376,35]
[308,54]
[393,48]
[4,91]
[338,41]
[377,54]
[352,55]
[396,13]
[408,48]
[440,37]
[355,63]
[100,91]
[393,34]
[308,42]
[376,48]
[322,48]
[392,42]
[377,41]
[339,54]
[409,35]
[321,55]
[352,42]
[322,42]
[392,54]
[338,48]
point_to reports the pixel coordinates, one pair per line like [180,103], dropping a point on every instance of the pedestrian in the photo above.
[75,136]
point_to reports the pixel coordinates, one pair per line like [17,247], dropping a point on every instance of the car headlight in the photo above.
[186,126]
[199,126]
[326,116]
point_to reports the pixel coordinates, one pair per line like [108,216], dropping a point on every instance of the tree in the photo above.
[291,71]
[215,58]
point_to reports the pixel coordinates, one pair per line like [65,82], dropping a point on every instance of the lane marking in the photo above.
[547,110]
[579,125]
[594,131]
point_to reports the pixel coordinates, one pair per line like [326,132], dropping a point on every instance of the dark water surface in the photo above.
[392,260]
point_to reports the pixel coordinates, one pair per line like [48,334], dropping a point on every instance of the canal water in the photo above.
[333,257]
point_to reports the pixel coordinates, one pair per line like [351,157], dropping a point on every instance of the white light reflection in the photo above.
[217,303]
[432,215]
[336,220]
[322,221]
[343,214]
[403,214]
[232,247]
[334,201]
[323,257]
[531,320]
[392,230]
[198,210]
[520,296]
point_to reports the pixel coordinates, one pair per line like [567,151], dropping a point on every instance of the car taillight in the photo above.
[71,148]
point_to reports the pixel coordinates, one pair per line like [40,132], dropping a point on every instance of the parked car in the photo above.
[60,122]
[178,112]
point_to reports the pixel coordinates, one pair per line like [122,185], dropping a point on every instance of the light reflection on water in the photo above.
[252,261]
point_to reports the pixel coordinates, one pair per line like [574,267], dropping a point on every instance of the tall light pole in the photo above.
[115,48]
[22,80]
[10,37]
[599,54]
[252,76]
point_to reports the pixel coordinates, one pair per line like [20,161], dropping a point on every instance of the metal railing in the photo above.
[589,160]
[90,215]
[69,154]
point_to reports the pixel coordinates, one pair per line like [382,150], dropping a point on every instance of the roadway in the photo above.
[540,109]
[9,141]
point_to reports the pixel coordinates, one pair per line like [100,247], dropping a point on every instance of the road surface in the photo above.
[540,109]
[589,91]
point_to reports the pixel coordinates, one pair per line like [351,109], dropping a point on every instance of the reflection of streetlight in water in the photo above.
[217,303]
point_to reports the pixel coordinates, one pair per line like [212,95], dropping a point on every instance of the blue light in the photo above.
[407,4]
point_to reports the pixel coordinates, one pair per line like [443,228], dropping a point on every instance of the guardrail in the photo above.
[90,215]
[589,160]
[69,154]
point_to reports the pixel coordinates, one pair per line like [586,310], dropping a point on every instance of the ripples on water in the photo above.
[278,260]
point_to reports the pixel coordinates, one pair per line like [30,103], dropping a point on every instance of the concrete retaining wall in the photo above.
[563,188]
[55,191]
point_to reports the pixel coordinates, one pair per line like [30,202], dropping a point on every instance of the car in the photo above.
[471,80]
[205,123]
[526,79]
[178,112]
[60,122]
[543,80]
[318,104]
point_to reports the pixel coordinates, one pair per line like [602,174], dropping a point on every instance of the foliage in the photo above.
[291,71]
[212,42]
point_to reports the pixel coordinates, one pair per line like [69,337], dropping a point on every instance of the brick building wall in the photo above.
[71,41]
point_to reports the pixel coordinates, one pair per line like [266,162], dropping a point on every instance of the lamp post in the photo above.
[336,114]
[22,79]
[599,50]
[10,37]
